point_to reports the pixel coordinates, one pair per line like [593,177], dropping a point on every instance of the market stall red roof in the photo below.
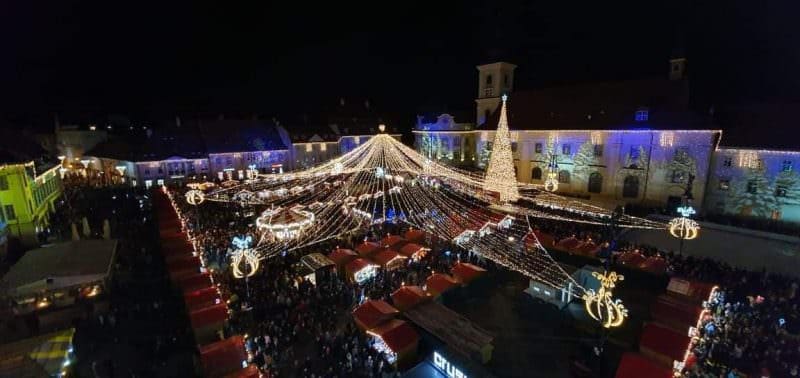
[223,357]
[632,259]
[201,298]
[410,249]
[384,256]
[415,236]
[655,265]
[183,263]
[466,272]
[210,315]
[568,244]
[356,265]
[195,282]
[588,248]
[341,256]
[407,297]
[398,335]
[662,344]
[367,248]
[633,365]
[372,313]
[439,283]
[391,240]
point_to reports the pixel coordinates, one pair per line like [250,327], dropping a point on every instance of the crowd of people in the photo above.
[294,327]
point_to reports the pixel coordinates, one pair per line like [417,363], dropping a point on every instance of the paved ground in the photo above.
[534,339]
[743,248]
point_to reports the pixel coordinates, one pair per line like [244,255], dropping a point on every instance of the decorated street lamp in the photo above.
[684,228]
[601,305]
[551,181]
[244,254]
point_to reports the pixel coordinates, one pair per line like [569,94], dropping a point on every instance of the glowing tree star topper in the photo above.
[601,306]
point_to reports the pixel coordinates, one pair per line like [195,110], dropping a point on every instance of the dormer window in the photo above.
[642,115]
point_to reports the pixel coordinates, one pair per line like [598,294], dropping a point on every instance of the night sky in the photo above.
[156,59]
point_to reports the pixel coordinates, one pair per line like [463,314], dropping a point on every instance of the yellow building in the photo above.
[27,198]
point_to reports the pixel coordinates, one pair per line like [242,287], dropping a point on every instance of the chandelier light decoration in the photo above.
[683,227]
[551,181]
[500,176]
[195,197]
[244,254]
[348,194]
[601,306]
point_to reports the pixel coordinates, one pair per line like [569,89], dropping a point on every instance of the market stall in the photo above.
[202,298]
[414,251]
[366,249]
[407,297]
[224,357]
[633,365]
[439,283]
[315,266]
[466,272]
[360,270]
[342,256]
[398,340]
[372,313]
[389,259]
[207,322]
[390,241]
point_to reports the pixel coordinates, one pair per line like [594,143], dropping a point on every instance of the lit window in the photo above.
[748,159]
[309,147]
[727,161]
[642,115]
[787,166]
[666,139]
[323,147]
[724,184]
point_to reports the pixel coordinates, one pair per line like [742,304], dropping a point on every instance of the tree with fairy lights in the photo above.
[583,161]
[753,195]
[500,176]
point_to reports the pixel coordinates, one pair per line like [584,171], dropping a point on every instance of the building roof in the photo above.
[153,144]
[39,356]
[223,136]
[455,330]
[316,261]
[61,265]
[397,334]
[367,248]
[601,106]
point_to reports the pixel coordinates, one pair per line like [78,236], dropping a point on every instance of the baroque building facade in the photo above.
[619,143]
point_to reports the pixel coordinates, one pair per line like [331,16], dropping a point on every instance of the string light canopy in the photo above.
[382,180]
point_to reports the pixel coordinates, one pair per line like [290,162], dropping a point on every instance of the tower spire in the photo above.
[500,175]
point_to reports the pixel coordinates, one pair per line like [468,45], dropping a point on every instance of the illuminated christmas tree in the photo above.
[500,175]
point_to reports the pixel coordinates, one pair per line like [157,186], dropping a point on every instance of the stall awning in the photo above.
[223,357]
[201,298]
[391,240]
[439,283]
[195,282]
[398,335]
[466,273]
[367,248]
[385,256]
[372,313]
[410,249]
[415,236]
[207,316]
[407,297]
[341,256]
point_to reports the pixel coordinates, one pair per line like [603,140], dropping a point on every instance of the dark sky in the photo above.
[159,58]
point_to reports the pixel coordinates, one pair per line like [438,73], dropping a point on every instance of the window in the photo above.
[724,184]
[513,146]
[630,187]
[488,79]
[10,214]
[678,177]
[752,187]
[505,80]
[786,166]
[595,183]
[598,150]
[488,92]
[3,183]
[642,115]
[160,171]
[727,161]
[536,173]
[563,177]
[537,148]
[780,191]
[566,149]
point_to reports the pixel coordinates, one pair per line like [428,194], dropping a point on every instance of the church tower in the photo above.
[494,80]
